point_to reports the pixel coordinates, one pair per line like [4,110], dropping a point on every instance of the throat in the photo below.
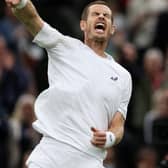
[98,47]
[99,51]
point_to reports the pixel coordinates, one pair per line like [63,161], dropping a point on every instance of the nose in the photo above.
[101,16]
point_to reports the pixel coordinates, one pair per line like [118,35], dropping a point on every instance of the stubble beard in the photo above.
[100,39]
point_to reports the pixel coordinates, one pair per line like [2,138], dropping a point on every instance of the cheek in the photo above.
[90,24]
[90,29]
[108,32]
[110,28]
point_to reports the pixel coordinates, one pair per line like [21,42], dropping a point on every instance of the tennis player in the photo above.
[83,111]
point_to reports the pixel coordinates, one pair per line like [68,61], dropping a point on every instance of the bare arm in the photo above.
[27,15]
[116,127]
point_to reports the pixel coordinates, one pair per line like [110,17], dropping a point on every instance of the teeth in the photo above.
[100,24]
[100,27]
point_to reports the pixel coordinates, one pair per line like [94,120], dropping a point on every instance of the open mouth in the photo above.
[100,27]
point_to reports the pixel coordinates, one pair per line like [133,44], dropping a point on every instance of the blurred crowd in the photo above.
[140,44]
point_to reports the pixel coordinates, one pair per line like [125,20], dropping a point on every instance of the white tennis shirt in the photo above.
[85,90]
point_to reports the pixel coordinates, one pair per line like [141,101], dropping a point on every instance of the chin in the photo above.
[100,38]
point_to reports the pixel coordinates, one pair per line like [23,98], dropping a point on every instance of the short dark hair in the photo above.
[101,2]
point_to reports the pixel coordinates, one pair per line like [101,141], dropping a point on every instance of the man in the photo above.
[83,111]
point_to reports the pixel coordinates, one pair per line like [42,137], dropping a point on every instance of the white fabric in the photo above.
[85,90]
[54,154]
[34,165]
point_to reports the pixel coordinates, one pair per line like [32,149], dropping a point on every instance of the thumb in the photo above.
[94,129]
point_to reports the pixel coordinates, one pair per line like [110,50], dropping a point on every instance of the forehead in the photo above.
[100,8]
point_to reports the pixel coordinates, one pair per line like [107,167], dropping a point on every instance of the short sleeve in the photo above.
[47,37]
[126,94]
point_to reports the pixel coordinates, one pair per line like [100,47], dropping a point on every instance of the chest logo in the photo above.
[114,78]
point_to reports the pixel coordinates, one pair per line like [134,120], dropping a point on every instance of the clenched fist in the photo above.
[99,138]
[12,3]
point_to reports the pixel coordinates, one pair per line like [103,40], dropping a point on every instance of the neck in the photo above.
[97,46]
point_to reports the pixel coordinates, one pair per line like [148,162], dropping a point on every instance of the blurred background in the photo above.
[140,44]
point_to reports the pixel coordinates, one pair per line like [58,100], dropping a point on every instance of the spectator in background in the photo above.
[8,25]
[4,136]
[159,110]
[161,34]
[156,123]
[15,80]
[146,158]
[23,137]
[142,19]
[17,37]
[153,66]
[150,80]
[124,4]
[4,129]
[126,150]
[164,162]
[67,16]
[128,59]
[3,49]
[120,37]
[165,81]
[31,58]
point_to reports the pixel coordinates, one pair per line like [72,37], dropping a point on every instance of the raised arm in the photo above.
[27,15]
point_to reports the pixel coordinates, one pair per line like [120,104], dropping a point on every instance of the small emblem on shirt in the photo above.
[114,78]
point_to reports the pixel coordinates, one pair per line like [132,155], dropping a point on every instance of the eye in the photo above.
[107,15]
[95,14]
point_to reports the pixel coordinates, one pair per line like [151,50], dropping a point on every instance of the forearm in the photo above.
[118,132]
[29,17]
[117,127]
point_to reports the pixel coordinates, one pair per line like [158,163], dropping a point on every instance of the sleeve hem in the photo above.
[123,114]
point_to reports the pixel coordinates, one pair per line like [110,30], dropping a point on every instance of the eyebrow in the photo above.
[104,13]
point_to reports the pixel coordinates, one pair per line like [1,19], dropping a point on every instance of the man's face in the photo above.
[98,26]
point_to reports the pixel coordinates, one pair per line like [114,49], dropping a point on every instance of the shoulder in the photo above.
[49,37]
[121,70]
[124,77]
[72,41]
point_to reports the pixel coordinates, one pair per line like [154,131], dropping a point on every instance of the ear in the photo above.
[113,29]
[83,25]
